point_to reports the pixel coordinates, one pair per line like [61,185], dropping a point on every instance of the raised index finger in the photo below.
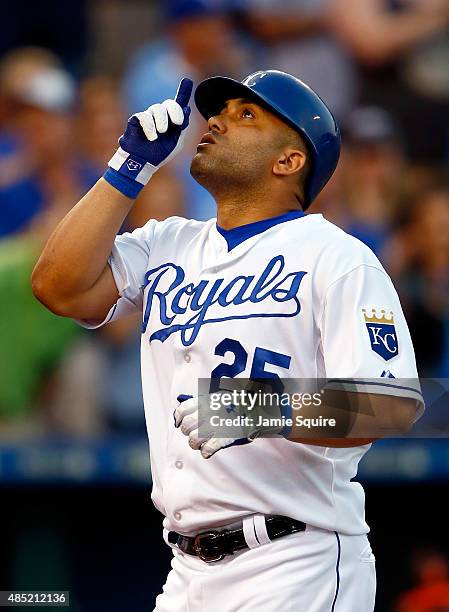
[184,92]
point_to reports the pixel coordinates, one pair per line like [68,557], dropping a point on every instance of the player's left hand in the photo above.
[187,418]
[192,417]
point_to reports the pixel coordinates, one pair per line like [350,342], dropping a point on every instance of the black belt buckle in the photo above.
[201,547]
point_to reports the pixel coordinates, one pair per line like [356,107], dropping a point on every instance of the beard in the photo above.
[204,168]
[226,173]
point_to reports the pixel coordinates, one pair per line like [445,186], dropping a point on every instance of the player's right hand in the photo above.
[151,139]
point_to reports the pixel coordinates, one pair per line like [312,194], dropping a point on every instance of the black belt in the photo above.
[215,545]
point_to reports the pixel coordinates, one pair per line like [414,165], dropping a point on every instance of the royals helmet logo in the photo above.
[382,333]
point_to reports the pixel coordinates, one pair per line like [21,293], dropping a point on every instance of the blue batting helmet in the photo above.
[295,103]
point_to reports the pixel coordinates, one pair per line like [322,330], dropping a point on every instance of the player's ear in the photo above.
[289,162]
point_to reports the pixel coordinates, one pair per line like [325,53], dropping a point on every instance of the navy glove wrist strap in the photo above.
[128,173]
[127,186]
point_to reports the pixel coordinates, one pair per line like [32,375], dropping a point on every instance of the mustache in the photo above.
[211,137]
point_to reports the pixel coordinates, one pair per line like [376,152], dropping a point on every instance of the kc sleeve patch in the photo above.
[382,332]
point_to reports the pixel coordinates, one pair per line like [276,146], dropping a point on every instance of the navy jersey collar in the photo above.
[237,235]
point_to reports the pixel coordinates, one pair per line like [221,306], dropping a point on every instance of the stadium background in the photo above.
[74,472]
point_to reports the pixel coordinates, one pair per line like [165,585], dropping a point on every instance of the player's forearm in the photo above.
[376,35]
[397,35]
[76,254]
[352,419]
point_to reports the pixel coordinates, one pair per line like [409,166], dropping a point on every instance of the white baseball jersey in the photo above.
[295,296]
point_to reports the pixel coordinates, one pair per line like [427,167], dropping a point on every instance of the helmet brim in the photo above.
[212,94]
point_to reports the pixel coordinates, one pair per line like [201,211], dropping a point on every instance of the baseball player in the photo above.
[264,290]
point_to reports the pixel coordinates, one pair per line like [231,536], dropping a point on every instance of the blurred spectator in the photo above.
[418,259]
[132,23]
[370,188]
[402,47]
[20,197]
[16,69]
[372,175]
[120,385]
[33,341]
[38,163]
[100,120]
[198,42]
[297,40]
[431,576]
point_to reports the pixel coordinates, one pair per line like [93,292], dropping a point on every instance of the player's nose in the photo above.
[217,123]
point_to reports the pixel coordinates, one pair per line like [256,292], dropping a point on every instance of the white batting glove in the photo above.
[193,417]
[187,418]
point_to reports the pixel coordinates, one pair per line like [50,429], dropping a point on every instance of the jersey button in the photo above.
[187,358]
[179,465]
[178,516]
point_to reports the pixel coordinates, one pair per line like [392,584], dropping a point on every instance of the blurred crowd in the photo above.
[382,66]
[429,591]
